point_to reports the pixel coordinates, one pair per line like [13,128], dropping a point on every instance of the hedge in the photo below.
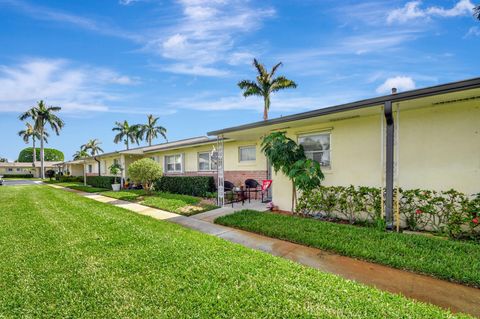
[66,178]
[187,185]
[50,154]
[101,181]
[18,175]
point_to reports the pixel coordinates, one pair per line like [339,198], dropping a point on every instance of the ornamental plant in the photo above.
[145,171]
[115,169]
[287,156]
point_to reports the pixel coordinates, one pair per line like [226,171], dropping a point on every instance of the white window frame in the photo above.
[240,153]
[211,165]
[175,170]
[90,168]
[329,134]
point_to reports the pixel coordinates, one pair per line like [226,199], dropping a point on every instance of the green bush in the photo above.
[145,171]
[448,212]
[50,154]
[101,181]
[187,185]
[18,175]
[67,178]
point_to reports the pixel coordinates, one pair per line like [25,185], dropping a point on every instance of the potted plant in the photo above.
[115,169]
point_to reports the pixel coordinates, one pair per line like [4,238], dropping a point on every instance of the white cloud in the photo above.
[412,11]
[48,14]
[59,82]
[473,32]
[401,83]
[206,34]
[127,2]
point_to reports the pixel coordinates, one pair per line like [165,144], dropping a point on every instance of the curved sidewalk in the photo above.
[456,297]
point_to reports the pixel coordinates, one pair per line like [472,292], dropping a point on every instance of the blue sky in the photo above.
[110,60]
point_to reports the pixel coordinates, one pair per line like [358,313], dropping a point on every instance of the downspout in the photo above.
[96,160]
[389,165]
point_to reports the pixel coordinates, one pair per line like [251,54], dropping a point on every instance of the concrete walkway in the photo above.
[458,298]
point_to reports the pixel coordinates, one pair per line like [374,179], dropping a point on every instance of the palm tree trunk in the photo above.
[266,106]
[150,141]
[42,174]
[34,158]
[126,142]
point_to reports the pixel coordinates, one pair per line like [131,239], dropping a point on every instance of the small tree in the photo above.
[288,157]
[115,169]
[145,171]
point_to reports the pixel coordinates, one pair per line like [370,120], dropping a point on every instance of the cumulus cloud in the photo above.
[401,83]
[206,34]
[412,11]
[74,88]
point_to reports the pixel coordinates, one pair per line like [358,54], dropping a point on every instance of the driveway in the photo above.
[20,182]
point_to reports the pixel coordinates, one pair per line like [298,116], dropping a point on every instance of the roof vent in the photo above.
[394,90]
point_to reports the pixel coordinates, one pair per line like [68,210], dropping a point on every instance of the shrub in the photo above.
[187,185]
[50,154]
[50,173]
[67,178]
[145,171]
[18,175]
[100,181]
[448,212]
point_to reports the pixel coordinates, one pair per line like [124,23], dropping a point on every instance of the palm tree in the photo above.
[126,133]
[94,147]
[265,85]
[30,132]
[151,130]
[81,154]
[41,116]
[476,12]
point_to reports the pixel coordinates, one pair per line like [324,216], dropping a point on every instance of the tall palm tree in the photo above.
[93,146]
[151,130]
[41,116]
[30,132]
[265,85]
[476,12]
[126,133]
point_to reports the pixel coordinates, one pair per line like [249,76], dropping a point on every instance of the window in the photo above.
[153,158]
[90,168]
[18,169]
[247,153]
[10,169]
[173,163]
[115,161]
[317,147]
[205,162]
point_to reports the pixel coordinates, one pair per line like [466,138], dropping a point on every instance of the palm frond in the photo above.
[476,12]
[260,68]
[274,69]
[281,83]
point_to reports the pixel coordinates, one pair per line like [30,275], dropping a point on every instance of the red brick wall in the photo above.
[236,177]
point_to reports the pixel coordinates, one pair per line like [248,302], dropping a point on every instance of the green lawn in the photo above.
[446,259]
[64,255]
[175,203]
[78,186]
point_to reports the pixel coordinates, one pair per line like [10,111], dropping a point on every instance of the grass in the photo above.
[78,186]
[445,259]
[21,179]
[64,255]
[175,203]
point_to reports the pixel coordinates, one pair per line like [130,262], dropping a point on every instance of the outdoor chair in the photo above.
[266,183]
[252,186]
[231,195]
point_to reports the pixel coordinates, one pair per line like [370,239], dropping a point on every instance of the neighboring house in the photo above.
[17,168]
[427,138]
[188,157]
